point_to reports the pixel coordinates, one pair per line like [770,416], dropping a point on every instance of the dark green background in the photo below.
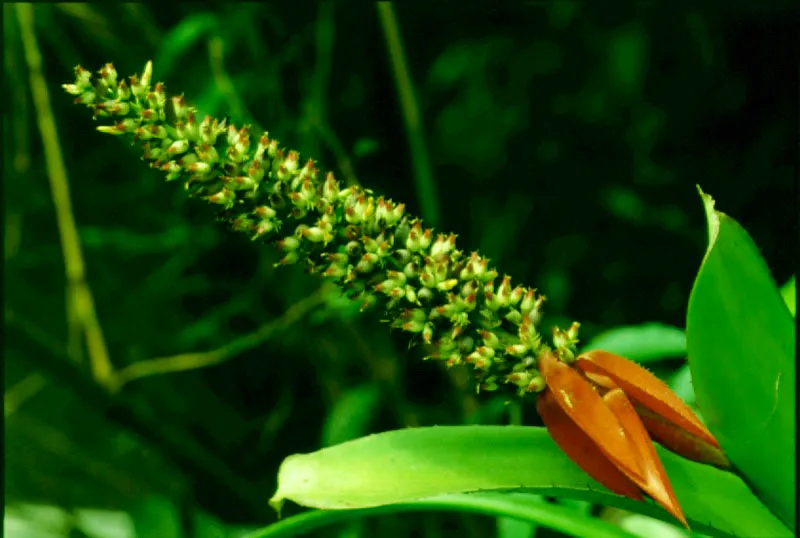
[564,142]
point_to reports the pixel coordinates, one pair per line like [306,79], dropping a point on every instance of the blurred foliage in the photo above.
[563,141]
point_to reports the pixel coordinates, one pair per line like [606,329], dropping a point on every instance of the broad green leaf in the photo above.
[741,343]
[681,384]
[519,506]
[412,464]
[642,343]
[789,294]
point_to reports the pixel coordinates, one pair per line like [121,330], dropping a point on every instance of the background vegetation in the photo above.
[560,140]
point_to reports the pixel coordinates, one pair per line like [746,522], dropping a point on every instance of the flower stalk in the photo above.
[602,410]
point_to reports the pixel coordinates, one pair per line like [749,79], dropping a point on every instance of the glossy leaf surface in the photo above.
[412,464]
[741,343]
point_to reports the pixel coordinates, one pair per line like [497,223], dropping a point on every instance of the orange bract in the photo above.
[604,413]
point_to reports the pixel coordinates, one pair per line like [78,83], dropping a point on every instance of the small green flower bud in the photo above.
[367,263]
[490,339]
[454,359]
[335,271]
[489,384]
[316,235]
[536,312]
[180,108]
[466,304]
[443,245]
[427,277]
[572,332]
[255,173]
[414,239]
[411,270]
[514,316]
[447,285]
[528,334]
[239,183]
[117,129]
[528,301]
[481,358]
[411,295]
[83,77]
[173,170]
[178,147]
[309,171]
[242,224]
[263,228]
[158,99]
[225,197]
[147,74]
[386,287]
[355,212]
[330,188]
[208,131]
[339,258]
[411,320]
[306,197]
[109,76]
[291,258]
[72,89]
[289,243]
[427,333]
[207,153]
[261,148]
[291,162]
[354,249]
[517,350]
[189,129]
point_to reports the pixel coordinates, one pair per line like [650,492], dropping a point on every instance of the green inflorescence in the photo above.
[456,303]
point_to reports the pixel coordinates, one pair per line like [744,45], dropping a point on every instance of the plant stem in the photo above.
[81,301]
[423,176]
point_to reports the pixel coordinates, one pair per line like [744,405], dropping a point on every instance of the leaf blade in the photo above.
[407,465]
[741,344]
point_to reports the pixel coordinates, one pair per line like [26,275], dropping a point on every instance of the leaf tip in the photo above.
[276,503]
[712,216]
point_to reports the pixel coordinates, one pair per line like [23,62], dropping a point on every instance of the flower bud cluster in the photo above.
[455,303]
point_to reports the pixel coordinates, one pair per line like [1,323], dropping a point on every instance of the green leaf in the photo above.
[741,343]
[681,384]
[183,37]
[509,527]
[519,506]
[642,343]
[789,294]
[412,464]
[350,417]
[156,517]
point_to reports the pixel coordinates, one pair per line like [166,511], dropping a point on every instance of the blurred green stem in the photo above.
[216,60]
[136,415]
[191,361]
[317,107]
[423,176]
[24,390]
[79,297]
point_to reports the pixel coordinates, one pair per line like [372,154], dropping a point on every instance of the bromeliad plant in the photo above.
[602,410]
